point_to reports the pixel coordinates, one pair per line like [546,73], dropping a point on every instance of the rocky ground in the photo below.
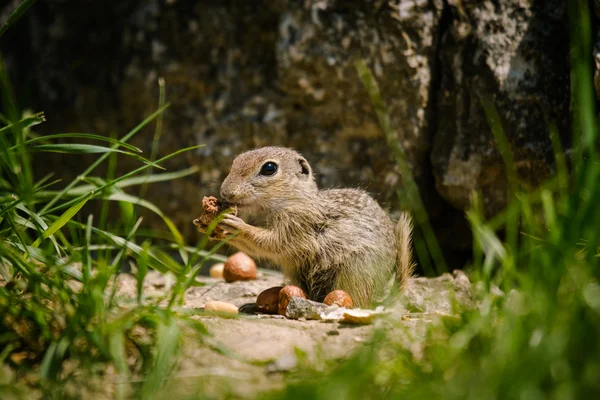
[251,353]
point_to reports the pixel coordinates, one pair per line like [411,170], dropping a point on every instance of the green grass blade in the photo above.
[25,123]
[16,15]
[158,260]
[512,223]
[142,265]
[123,177]
[100,159]
[118,353]
[87,257]
[582,86]
[502,142]
[76,148]
[40,224]
[90,136]
[417,206]
[63,219]
[123,197]
[157,130]
[132,181]
[167,347]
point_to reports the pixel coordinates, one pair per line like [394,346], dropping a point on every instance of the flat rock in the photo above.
[256,349]
[304,308]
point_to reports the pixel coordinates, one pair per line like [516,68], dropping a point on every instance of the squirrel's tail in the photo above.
[404,260]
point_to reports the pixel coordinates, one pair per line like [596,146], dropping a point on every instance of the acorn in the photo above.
[286,293]
[268,300]
[239,267]
[339,297]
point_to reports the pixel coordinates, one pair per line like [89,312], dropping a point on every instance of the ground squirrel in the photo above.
[323,239]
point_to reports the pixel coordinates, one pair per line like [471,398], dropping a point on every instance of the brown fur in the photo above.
[323,239]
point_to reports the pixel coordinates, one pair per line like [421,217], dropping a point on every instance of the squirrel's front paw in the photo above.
[232,224]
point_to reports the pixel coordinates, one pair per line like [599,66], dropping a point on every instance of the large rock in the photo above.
[247,74]
[514,53]
[327,104]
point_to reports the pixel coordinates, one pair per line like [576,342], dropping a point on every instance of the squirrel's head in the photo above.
[268,178]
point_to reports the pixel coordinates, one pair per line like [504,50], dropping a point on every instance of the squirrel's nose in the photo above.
[227,194]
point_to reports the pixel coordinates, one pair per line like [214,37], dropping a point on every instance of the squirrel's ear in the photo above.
[305,168]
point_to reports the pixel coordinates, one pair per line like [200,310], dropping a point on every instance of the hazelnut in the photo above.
[268,300]
[286,294]
[239,267]
[216,271]
[340,298]
[221,307]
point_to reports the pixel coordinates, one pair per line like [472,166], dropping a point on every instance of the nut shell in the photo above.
[216,271]
[268,300]
[211,207]
[221,307]
[239,267]
[340,298]
[286,294]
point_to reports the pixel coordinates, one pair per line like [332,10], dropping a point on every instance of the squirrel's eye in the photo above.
[269,168]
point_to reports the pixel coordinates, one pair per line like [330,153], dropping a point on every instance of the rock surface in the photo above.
[241,75]
[256,349]
[513,53]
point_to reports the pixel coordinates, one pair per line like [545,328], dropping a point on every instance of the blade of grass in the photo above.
[116,346]
[63,219]
[111,172]
[512,222]
[13,113]
[92,167]
[417,206]
[172,246]
[115,265]
[123,197]
[40,224]
[133,181]
[123,177]
[16,15]
[158,260]
[83,136]
[167,347]
[142,266]
[582,86]
[87,257]
[77,148]
[24,123]
[157,130]
[22,175]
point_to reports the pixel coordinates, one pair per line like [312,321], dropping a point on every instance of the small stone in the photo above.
[239,267]
[304,308]
[216,271]
[221,307]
